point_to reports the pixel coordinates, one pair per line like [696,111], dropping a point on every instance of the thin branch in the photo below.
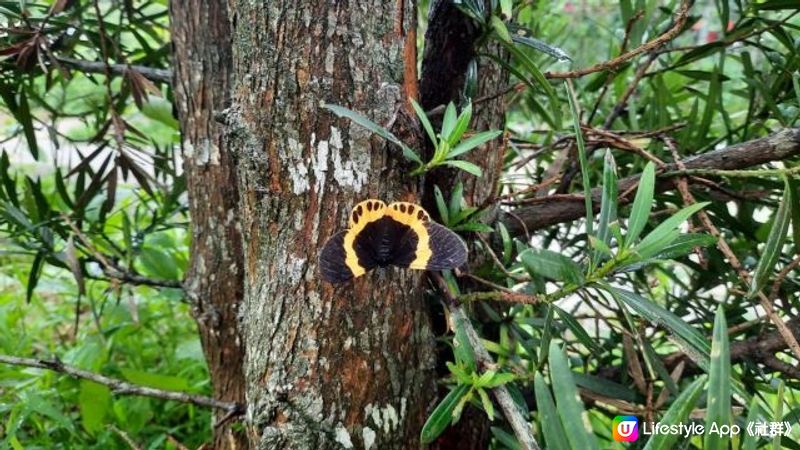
[152,74]
[611,64]
[515,417]
[120,387]
[548,211]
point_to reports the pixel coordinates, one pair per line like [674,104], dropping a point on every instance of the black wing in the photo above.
[448,250]
[332,260]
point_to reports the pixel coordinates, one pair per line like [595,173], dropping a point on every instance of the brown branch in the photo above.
[548,211]
[120,387]
[152,74]
[518,422]
[611,64]
[758,349]
[732,259]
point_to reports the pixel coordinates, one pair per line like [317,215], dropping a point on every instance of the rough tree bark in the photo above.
[214,284]
[326,367]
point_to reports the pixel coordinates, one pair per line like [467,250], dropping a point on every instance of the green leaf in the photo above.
[374,128]
[449,120]
[442,415]
[772,249]
[587,188]
[466,166]
[462,349]
[500,379]
[474,141]
[642,204]
[684,244]
[423,119]
[754,414]
[579,332]
[506,8]
[570,409]
[541,46]
[456,198]
[551,265]
[677,413]
[608,204]
[159,263]
[486,402]
[94,402]
[441,205]
[694,344]
[474,227]
[33,275]
[461,126]
[666,232]
[500,28]
[795,196]
[718,411]
[553,431]
[508,440]
[160,110]
[607,388]
[507,242]
[26,120]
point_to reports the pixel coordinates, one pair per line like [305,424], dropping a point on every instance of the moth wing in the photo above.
[405,250]
[447,249]
[332,258]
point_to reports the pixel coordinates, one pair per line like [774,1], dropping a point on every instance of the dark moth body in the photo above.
[386,242]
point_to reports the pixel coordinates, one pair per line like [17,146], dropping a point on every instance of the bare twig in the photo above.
[125,437]
[515,417]
[611,64]
[500,296]
[152,74]
[120,387]
[111,269]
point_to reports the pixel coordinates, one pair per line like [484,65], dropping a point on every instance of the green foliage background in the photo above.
[91,191]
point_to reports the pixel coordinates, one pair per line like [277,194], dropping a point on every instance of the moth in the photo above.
[401,234]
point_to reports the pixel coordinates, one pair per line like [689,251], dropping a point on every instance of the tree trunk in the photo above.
[214,284]
[326,366]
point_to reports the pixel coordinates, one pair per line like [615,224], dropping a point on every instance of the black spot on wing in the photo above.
[448,250]
[332,264]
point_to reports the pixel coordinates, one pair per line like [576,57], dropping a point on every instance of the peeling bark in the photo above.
[214,284]
[326,367]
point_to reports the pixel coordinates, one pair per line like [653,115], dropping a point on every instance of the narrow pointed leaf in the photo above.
[442,415]
[642,204]
[551,265]
[554,435]
[665,232]
[472,142]
[608,204]
[466,166]
[573,417]
[374,128]
[718,410]
[777,236]
[423,119]
[695,344]
[677,413]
